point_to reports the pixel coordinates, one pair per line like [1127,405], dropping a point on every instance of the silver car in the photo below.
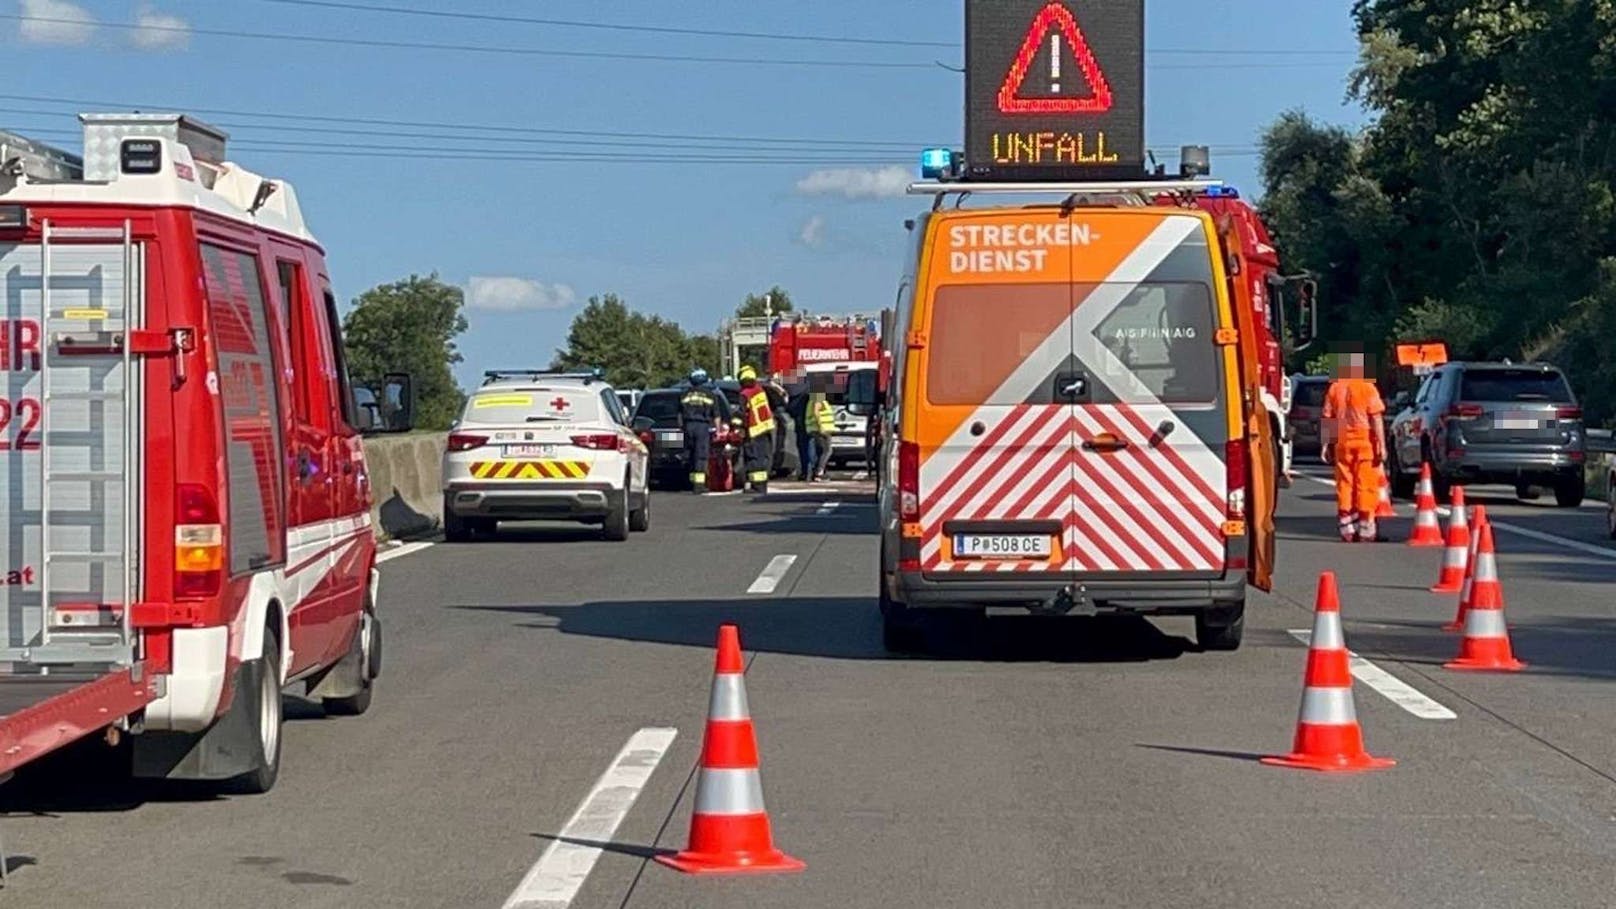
[543,446]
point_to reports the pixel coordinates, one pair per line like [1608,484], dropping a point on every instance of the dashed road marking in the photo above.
[554,880]
[1395,689]
[1529,533]
[827,508]
[772,574]
[400,551]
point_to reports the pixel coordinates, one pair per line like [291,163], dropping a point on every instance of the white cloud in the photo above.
[517,295]
[55,22]
[812,232]
[160,31]
[857,182]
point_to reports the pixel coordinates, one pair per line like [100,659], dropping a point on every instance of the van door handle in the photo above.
[1105,442]
[1163,430]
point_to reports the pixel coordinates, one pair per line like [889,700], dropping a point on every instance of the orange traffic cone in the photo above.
[1328,736]
[1385,509]
[1427,530]
[1456,555]
[1478,518]
[1486,638]
[729,831]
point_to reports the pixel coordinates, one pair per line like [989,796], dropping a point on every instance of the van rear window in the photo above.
[1136,341]
[1515,385]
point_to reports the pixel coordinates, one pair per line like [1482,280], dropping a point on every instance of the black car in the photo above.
[657,419]
[1512,423]
[786,461]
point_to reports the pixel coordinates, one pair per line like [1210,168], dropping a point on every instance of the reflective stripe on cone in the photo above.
[1427,528]
[1328,736]
[1465,593]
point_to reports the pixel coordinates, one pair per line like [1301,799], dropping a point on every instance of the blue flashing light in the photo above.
[1222,192]
[936,163]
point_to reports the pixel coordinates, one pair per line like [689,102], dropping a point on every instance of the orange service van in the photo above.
[1071,419]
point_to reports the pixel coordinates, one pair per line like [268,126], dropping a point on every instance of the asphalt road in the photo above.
[1029,762]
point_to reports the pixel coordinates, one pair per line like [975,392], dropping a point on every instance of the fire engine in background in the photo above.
[1269,292]
[187,502]
[846,347]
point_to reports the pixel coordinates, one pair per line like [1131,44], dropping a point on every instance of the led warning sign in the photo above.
[1054,89]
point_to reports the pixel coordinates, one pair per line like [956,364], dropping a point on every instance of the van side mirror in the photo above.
[863,394]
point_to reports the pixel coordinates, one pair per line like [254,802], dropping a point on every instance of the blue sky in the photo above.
[533,239]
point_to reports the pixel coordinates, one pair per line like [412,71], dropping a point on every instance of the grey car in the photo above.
[1513,423]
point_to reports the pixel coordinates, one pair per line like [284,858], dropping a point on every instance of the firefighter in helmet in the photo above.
[698,415]
[759,422]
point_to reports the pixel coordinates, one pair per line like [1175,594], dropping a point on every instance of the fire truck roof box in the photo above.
[104,134]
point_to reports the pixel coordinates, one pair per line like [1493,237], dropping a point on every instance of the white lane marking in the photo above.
[772,574]
[400,551]
[1529,533]
[556,877]
[827,508]
[1395,689]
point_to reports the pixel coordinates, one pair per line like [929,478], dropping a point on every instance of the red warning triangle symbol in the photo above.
[1099,99]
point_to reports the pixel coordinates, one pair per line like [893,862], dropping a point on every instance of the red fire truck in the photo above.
[847,347]
[1269,292]
[187,504]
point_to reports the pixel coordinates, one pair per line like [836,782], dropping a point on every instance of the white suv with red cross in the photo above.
[541,446]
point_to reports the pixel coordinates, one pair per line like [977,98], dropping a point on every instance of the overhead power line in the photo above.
[595,55]
[613,26]
[751,35]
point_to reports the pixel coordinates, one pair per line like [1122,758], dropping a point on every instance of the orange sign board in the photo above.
[1425,353]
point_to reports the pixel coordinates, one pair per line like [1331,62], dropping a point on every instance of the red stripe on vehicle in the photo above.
[1196,543]
[1121,527]
[1173,456]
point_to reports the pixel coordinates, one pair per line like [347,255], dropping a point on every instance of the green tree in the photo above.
[772,301]
[410,326]
[633,349]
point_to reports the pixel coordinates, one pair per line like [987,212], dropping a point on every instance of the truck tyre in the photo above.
[1570,491]
[616,526]
[456,529]
[364,660]
[1221,630]
[639,520]
[262,695]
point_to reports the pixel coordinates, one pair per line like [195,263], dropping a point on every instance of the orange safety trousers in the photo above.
[1357,479]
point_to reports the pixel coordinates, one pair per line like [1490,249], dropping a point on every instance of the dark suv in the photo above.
[657,418]
[1517,424]
[1307,404]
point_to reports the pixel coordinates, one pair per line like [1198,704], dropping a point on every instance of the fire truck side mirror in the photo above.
[1307,325]
[394,404]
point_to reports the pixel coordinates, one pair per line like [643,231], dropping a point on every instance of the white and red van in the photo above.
[187,506]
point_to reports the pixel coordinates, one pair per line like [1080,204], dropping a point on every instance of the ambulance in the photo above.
[187,501]
[1074,414]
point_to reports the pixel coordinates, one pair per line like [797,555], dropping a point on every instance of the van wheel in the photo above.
[1222,629]
[262,692]
[1570,491]
[616,526]
[902,630]
[364,658]
[639,520]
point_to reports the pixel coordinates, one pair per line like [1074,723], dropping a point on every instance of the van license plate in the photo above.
[1002,546]
[530,451]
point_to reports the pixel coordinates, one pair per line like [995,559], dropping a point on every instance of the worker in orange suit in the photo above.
[1354,441]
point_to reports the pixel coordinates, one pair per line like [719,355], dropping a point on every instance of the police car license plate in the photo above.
[530,451]
[1002,546]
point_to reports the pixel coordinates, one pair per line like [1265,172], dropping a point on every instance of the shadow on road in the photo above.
[849,628]
[628,849]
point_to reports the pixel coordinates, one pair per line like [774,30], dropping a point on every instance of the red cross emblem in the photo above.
[559,403]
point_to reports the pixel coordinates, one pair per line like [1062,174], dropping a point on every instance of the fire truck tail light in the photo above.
[198,544]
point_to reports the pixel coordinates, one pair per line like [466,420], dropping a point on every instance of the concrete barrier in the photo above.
[406,475]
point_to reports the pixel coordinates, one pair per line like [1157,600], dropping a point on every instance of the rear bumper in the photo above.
[1154,595]
[530,501]
[1509,462]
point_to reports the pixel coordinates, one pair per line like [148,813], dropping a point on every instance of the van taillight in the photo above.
[599,442]
[198,544]
[1234,457]
[908,481]
[465,441]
